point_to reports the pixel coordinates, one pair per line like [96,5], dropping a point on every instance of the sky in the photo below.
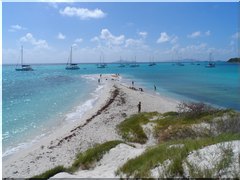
[163,31]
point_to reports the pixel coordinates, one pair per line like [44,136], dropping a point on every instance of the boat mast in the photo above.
[71,56]
[210,57]
[21,55]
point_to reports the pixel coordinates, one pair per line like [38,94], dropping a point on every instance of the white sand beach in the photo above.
[98,125]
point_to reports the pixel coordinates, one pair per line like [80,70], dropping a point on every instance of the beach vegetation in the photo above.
[131,130]
[193,126]
[141,166]
[234,60]
[195,120]
[84,160]
[220,167]
[50,173]
[87,159]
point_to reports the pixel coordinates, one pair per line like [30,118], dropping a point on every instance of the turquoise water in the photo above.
[34,103]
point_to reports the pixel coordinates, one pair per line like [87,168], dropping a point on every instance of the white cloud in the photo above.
[110,38]
[61,36]
[143,34]
[95,39]
[78,40]
[16,27]
[82,13]
[74,45]
[208,33]
[195,34]
[174,39]
[194,48]
[135,43]
[29,38]
[164,37]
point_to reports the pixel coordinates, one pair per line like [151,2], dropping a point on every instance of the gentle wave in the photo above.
[82,109]
[22,146]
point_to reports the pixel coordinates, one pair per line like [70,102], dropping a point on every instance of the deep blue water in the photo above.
[36,102]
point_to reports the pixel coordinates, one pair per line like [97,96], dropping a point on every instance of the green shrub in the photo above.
[131,129]
[50,173]
[88,159]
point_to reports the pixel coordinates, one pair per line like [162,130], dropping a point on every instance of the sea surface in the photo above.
[37,102]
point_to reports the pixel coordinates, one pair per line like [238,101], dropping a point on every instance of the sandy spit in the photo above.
[98,125]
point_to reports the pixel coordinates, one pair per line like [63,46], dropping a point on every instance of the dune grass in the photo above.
[131,130]
[175,118]
[173,125]
[50,173]
[220,167]
[169,126]
[140,166]
[87,159]
[83,160]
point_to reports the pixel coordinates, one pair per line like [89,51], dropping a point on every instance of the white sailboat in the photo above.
[23,67]
[70,65]
[151,62]
[121,62]
[178,62]
[210,63]
[101,64]
[134,63]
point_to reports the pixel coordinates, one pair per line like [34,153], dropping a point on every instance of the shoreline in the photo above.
[67,118]
[97,125]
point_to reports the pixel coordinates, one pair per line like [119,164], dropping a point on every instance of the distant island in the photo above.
[234,60]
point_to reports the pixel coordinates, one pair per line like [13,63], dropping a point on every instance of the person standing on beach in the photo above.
[155,88]
[98,81]
[139,107]
[132,83]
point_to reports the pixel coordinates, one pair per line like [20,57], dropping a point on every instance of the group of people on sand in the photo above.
[140,89]
[114,76]
[139,106]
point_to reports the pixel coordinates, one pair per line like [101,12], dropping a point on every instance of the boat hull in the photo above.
[72,68]
[22,69]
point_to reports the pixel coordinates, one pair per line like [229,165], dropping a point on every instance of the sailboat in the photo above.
[151,62]
[179,63]
[121,63]
[70,65]
[178,58]
[210,63]
[192,61]
[134,63]
[101,64]
[23,67]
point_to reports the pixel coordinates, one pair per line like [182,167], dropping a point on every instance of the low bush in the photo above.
[50,173]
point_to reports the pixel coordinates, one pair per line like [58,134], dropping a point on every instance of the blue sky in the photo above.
[166,31]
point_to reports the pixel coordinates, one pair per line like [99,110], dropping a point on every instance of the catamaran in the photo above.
[121,63]
[151,62]
[210,63]
[70,65]
[134,63]
[23,67]
[101,64]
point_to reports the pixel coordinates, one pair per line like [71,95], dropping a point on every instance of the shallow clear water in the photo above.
[36,102]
